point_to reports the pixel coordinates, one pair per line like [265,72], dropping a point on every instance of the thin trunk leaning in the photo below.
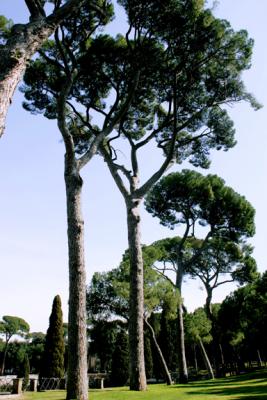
[136,324]
[77,383]
[161,357]
[206,358]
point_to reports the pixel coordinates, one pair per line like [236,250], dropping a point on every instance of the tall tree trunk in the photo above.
[183,374]
[136,301]
[77,382]
[206,358]
[161,357]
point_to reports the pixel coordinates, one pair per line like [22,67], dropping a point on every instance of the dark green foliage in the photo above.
[120,361]
[190,197]
[35,350]
[242,321]
[148,355]
[53,360]
[103,335]
[168,337]
[9,327]
[15,356]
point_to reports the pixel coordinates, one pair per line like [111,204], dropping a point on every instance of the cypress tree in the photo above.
[53,359]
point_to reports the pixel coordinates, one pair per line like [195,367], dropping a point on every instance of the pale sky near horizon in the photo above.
[33,241]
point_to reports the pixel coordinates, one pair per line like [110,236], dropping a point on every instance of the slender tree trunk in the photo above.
[221,354]
[77,382]
[161,357]
[208,304]
[136,324]
[183,374]
[206,359]
[259,358]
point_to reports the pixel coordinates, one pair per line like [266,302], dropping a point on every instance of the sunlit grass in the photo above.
[245,387]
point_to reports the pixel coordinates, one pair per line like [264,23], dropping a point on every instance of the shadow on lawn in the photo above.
[252,386]
[248,392]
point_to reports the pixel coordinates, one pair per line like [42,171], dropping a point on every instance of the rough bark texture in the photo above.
[206,359]
[161,357]
[24,41]
[183,373]
[77,384]
[136,328]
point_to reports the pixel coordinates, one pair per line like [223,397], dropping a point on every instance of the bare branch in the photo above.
[61,106]
[114,172]
[36,9]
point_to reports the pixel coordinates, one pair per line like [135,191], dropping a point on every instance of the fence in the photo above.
[10,384]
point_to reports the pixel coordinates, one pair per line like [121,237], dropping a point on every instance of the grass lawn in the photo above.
[245,387]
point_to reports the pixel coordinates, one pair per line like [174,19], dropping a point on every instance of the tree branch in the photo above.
[68,8]
[61,106]
[105,132]
[114,172]
[36,9]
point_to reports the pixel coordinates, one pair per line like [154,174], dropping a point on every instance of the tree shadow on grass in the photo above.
[249,386]
[248,392]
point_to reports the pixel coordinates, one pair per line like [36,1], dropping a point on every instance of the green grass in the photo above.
[245,387]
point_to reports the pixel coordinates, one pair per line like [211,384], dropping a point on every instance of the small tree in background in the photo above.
[53,360]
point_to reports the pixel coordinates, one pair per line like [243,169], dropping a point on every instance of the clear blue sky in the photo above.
[33,241]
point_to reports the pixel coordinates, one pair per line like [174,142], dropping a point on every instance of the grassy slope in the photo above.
[245,387]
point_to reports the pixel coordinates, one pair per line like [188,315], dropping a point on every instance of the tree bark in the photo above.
[183,373]
[206,359]
[77,383]
[161,357]
[136,301]
[24,41]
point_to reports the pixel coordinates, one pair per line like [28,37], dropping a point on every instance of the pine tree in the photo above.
[53,360]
